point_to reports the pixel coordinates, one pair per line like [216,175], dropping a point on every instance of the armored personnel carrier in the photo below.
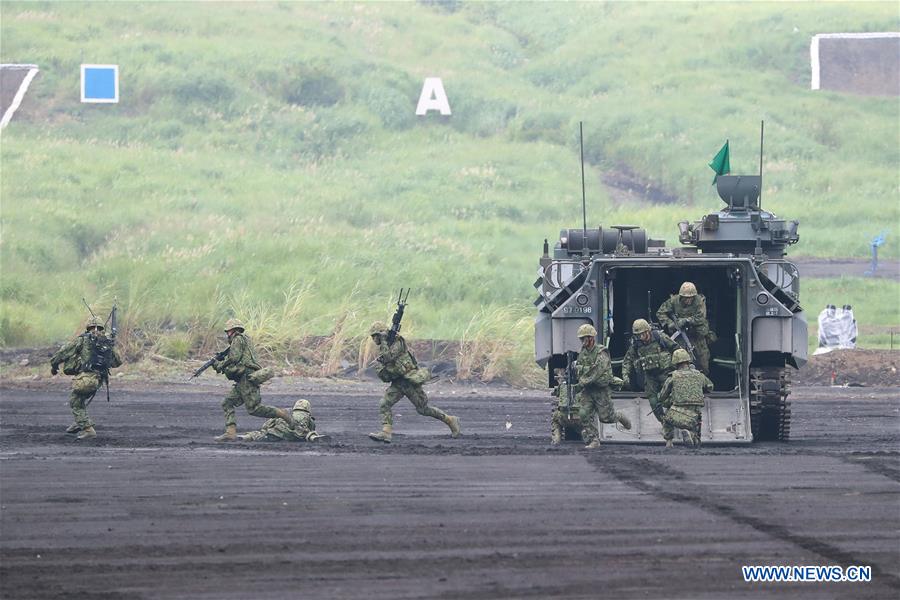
[608,277]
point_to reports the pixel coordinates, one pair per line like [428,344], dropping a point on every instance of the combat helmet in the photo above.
[640,326]
[687,290]
[680,356]
[94,322]
[377,327]
[586,331]
[301,405]
[234,324]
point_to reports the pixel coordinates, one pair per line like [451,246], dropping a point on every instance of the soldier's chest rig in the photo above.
[651,356]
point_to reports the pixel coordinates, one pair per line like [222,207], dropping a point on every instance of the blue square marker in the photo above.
[100,83]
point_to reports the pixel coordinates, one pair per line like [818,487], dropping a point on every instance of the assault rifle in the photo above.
[398,316]
[217,356]
[681,338]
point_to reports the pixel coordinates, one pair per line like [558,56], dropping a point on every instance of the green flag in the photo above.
[720,163]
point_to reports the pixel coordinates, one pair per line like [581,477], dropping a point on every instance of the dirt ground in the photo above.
[154,509]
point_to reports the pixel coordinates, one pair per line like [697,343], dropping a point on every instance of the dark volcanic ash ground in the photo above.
[154,509]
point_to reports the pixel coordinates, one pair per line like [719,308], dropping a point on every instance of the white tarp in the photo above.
[837,329]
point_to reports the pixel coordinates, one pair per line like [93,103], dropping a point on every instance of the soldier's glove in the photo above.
[684,323]
[54,369]
[617,383]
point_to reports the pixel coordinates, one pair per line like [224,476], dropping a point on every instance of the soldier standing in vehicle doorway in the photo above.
[683,396]
[687,311]
[88,357]
[240,366]
[650,356]
[594,377]
[397,366]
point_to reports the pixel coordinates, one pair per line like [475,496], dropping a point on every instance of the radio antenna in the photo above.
[762,126]
[584,249]
[89,308]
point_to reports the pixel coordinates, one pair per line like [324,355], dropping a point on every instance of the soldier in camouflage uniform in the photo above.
[397,366]
[559,418]
[682,395]
[594,377]
[78,358]
[241,367]
[303,428]
[687,310]
[650,355]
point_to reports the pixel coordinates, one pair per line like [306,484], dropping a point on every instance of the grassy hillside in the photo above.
[265,160]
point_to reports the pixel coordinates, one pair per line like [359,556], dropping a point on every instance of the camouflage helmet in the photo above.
[233,324]
[94,322]
[301,405]
[680,356]
[377,327]
[640,326]
[687,290]
[586,331]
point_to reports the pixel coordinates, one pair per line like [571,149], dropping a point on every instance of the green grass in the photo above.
[875,302]
[235,175]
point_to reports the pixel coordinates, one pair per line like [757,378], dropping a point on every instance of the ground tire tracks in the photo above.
[635,473]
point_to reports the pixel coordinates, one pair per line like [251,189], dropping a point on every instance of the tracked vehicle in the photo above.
[608,277]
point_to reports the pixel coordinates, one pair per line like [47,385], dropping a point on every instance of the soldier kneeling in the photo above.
[303,428]
[683,397]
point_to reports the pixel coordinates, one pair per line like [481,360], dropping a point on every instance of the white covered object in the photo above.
[837,328]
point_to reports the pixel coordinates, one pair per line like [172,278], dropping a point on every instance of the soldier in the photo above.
[650,355]
[594,378]
[241,367]
[559,418]
[303,428]
[88,357]
[682,395]
[687,310]
[397,366]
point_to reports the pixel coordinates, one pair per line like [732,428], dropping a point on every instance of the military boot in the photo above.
[453,424]
[230,434]
[595,443]
[86,433]
[625,421]
[384,435]
[687,438]
[695,439]
[73,428]
[669,444]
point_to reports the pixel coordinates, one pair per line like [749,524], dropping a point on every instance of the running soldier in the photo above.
[687,311]
[397,366]
[650,356]
[240,366]
[683,397]
[303,428]
[88,357]
[594,379]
